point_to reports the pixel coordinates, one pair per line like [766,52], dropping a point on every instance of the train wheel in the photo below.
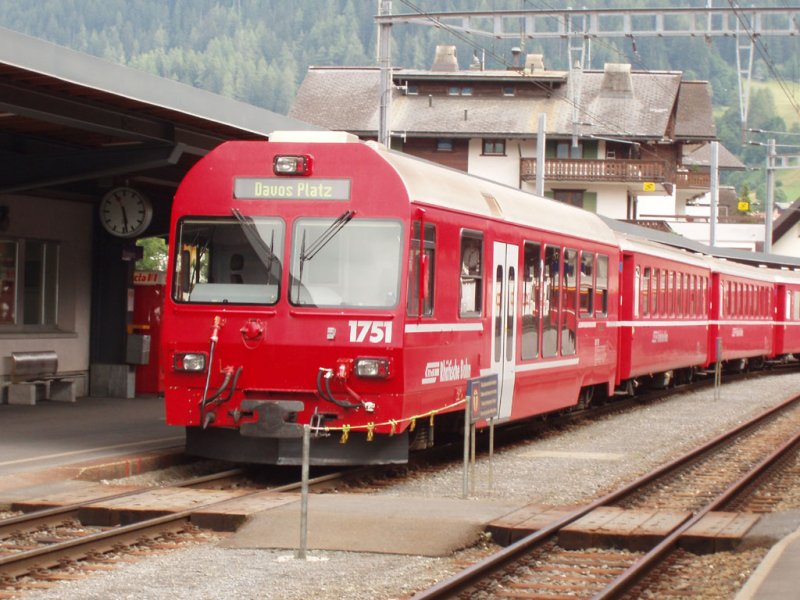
[585,397]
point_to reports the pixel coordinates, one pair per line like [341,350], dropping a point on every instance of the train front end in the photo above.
[285,304]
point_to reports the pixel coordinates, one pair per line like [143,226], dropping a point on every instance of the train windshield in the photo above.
[235,260]
[346,261]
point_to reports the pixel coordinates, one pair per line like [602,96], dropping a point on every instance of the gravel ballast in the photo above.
[572,465]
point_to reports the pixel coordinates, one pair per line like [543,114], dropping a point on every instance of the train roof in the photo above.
[431,183]
[776,261]
[652,248]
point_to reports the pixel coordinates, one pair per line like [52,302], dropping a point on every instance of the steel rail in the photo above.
[47,515]
[48,556]
[655,556]
[497,561]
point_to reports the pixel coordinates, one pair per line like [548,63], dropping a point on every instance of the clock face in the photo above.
[125,212]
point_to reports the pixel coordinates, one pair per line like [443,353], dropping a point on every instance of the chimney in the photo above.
[445,59]
[617,78]
[534,62]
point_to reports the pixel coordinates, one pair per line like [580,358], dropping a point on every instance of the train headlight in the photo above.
[191,362]
[375,368]
[292,165]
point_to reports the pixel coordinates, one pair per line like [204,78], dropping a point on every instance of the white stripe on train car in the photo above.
[547,364]
[442,327]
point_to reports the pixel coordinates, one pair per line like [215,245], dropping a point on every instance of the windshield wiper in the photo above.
[263,250]
[326,236]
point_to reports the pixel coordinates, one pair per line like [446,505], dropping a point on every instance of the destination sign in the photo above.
[287,188]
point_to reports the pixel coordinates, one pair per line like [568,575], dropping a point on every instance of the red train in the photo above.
[319,280]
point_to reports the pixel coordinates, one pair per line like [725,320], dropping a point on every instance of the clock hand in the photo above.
[124,217]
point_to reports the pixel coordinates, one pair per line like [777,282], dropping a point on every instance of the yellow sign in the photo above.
[648,186]
[743,206]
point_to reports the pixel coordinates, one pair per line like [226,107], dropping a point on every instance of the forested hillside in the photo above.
[258,50]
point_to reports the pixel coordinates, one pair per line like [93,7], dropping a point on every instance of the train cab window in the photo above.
[645,291]
[587,284]
[345,262]
[471,304]
[569,303]
[601,286]
[531,299]
[421,267]
[229,261]
[551,309]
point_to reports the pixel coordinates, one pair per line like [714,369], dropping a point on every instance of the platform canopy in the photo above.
[73,125]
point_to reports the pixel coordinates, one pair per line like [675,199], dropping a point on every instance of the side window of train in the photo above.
[471,304]
[531,299]
[601,286]
[551,309]
[587,284]
[569,308]
[646,292]
[796,306]
[421,268]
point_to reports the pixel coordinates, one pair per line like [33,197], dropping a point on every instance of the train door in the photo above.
[504,321]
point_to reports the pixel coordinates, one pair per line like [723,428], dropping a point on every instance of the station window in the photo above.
[28,283]
[587,284]
[601,286]
[509,90]
[471,304]
[412,90]
[421,270]
[531,299]
[494,147]
[453,90]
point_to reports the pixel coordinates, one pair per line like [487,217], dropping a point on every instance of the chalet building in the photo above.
[613,137]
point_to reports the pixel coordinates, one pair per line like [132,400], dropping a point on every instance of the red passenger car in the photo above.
[664,316]
[318,280]
[787,326]
[742,318]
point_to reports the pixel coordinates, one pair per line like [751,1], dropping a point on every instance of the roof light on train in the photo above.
[372,367]
[292,165]
[192,362]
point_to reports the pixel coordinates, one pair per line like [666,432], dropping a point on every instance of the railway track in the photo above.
[52,544]
[712,477]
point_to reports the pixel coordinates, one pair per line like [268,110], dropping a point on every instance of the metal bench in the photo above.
[34,376]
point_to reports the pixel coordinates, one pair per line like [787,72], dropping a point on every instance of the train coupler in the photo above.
[274,418]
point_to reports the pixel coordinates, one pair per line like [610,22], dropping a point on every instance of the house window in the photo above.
[494,147]
[28,282]
[571,197]
[444,145]
[509,90]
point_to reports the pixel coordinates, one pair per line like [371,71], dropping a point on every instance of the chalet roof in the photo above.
[693,116]
[347,98]
[786,221]
[701,157]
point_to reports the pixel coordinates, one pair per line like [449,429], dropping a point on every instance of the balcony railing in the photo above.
[693,179]
[581,169]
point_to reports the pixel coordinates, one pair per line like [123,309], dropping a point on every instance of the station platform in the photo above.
[55,444]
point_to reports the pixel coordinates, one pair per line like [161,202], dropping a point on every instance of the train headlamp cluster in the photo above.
[189,362]
[292,165]
[372,368]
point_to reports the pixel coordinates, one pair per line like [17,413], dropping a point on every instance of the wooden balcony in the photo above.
[582,169]
[693,179]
